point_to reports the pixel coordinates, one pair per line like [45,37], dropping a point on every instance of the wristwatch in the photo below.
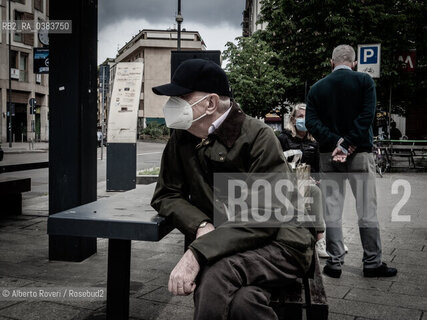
[344,150]
[203,224]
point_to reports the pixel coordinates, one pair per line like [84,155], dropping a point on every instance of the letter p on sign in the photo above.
[369,55]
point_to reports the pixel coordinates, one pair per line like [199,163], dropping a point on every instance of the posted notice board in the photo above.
[124,103]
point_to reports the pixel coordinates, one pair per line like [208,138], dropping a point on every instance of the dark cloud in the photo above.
[207,12]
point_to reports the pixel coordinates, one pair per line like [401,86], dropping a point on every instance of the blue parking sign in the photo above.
[368,55]
[369,59]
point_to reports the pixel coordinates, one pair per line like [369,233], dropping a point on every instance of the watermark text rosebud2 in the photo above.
[272,199]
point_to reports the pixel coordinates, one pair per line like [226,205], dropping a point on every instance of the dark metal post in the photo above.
[121,177]
[72,119]
[389,114]
[10,79]
[103,111]
[118,279]
[179,20]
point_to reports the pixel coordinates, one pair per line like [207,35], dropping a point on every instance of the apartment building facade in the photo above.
[104,92]
[251,15]
[153,47]
[25,84]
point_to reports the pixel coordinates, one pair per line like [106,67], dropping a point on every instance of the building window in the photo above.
[23,66]
[14,59]
[14,65]
[38,5]
[17,35]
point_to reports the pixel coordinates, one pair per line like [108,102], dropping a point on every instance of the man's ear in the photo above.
[354,64]
[213,101]
[332,63]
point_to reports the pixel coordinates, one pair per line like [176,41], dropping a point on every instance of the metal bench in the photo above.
[11,194]
[11,189]
[126,217]
[121,219]
[24,166]
[411,153]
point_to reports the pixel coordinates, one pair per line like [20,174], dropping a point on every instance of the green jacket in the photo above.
[184,191]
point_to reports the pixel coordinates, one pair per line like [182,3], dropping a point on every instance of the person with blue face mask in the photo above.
[296,137]
[300,125]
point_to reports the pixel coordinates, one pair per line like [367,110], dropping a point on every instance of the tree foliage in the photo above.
[257,81]
[304,33]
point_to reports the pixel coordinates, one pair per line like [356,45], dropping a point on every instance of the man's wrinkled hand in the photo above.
[182,277]
[206,229]
[338,155]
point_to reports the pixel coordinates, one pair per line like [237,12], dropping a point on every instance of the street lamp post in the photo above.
[179,19]
[103,111]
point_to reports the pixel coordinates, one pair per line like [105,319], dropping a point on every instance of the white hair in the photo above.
[343,53]
[224,103]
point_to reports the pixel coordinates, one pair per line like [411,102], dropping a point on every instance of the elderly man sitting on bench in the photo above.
[231,269]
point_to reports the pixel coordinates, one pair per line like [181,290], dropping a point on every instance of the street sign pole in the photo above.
[32,102]
[10,79]
[103,111]
[389,113]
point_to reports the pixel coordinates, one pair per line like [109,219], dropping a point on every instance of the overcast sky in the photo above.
[217,21]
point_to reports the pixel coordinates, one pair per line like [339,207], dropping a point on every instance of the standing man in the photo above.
[229,268]
[340,112]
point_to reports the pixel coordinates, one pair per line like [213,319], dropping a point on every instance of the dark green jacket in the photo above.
[184,191]
[342,105]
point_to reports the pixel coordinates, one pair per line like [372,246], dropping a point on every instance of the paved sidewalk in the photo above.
[24,263]
[25,147]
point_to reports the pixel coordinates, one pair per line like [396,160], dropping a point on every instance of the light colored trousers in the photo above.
[359,170]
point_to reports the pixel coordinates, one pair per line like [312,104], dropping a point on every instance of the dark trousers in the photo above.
[240,286]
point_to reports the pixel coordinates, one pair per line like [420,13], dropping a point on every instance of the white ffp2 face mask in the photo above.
[179,113]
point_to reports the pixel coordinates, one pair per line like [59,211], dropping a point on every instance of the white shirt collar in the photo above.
[215,125]
[341,66]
